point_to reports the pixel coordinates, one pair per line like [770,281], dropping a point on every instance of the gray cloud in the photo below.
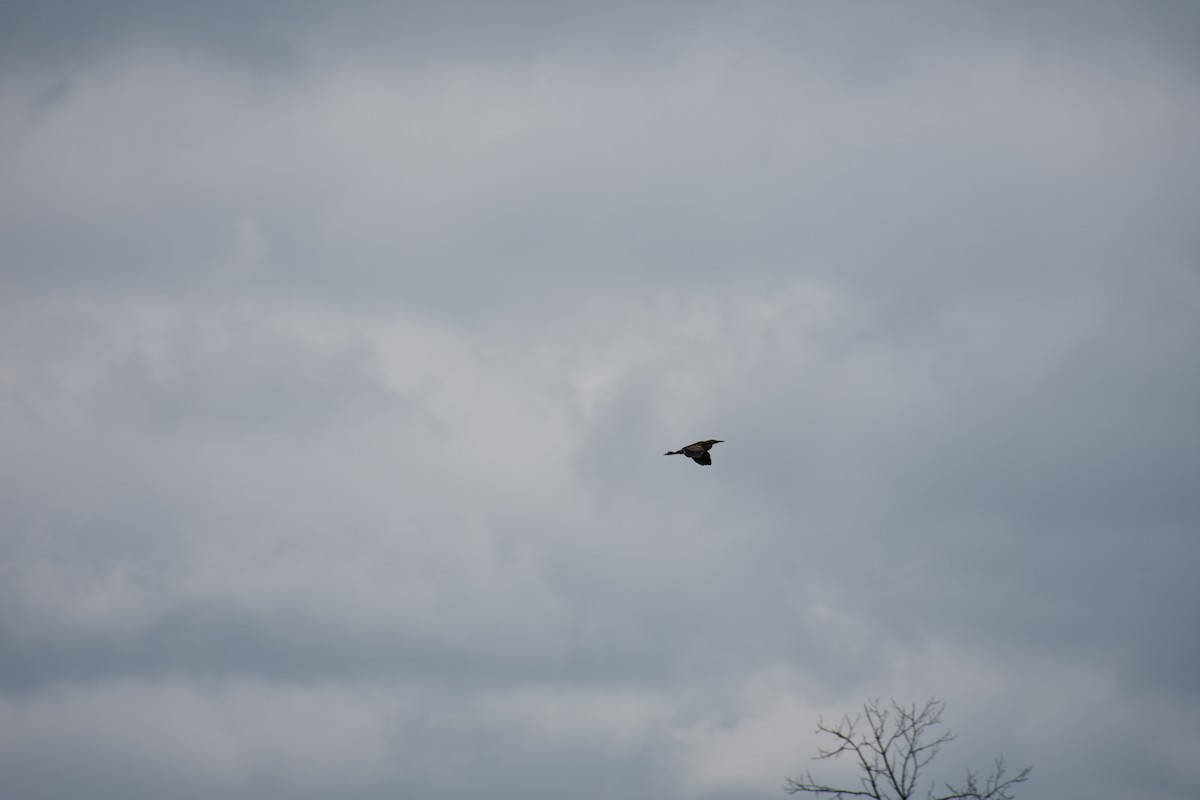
[338,351]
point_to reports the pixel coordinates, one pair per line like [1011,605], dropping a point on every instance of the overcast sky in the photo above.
[340,345]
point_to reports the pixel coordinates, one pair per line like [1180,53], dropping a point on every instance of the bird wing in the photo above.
[702,458]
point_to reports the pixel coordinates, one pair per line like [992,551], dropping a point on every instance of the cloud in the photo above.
[338,353]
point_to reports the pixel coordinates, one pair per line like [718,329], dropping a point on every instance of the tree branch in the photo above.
[995,786]
[892,752]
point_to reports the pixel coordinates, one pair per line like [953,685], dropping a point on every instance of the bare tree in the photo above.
[893,745]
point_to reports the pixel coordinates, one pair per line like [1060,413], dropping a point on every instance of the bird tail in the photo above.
[671,453]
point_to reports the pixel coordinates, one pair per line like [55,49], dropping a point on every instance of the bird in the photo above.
[697,452]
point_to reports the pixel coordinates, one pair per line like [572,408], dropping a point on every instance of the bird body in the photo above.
[697,452]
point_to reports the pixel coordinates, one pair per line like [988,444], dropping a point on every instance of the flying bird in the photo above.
[697,452]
